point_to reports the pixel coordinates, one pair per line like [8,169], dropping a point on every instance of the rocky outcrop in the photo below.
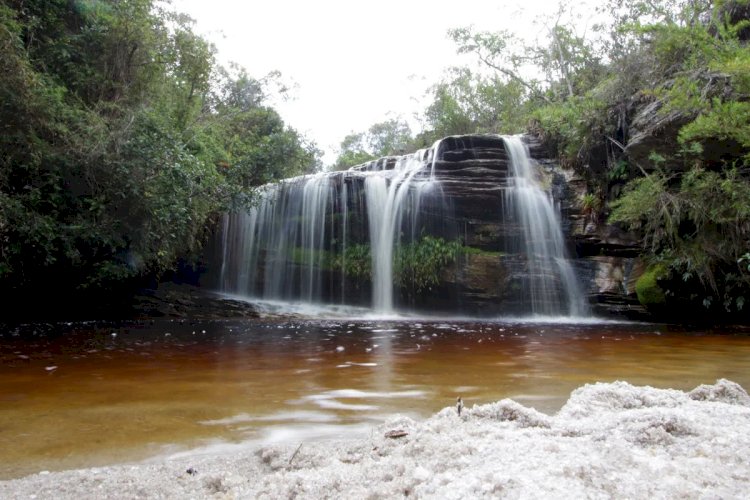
[654,131]
[181,301]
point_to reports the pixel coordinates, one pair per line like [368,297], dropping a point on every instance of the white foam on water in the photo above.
[356,313]
[295,416]
[332,404]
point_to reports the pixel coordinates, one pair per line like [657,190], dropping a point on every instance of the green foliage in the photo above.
[418,265]
[700,228]
[121,139]
[646,205]
[466,102]
[691,206]
[355,262]
[501,52]
[695,220]
[700,70]
[745,259]
[650,294]
[591,205]
[619,171]
[572,127]
[726,123]
[391,137]
[467,250]
[569,62]
[354,151]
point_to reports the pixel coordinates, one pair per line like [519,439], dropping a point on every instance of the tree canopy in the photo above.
[121,139]
[390,137]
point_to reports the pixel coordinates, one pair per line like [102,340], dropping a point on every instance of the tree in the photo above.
[353,151]
[693,208]
[390,137]
[466,102]
[121,141]
[500,52]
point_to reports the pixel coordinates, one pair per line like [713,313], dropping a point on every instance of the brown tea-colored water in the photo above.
[81,395]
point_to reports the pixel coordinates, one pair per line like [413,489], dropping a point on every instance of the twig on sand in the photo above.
[295,453]
[396,434]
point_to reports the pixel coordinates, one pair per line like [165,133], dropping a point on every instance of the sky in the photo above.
[351,63]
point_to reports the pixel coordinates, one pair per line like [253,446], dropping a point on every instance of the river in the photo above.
[87,394]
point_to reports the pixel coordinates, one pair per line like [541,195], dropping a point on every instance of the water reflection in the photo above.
[76,395]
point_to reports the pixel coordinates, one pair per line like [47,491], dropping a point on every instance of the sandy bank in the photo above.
[609,440]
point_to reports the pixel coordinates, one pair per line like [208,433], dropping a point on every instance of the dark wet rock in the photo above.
[473,173]
[655,129]
[173,300]
[593,239]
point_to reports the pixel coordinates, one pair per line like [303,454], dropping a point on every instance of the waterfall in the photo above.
[276,249]
[336,237]
[551,284]
[294,243]
[344,223]
[386,203]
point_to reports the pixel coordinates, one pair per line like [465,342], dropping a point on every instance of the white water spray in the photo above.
[385,203]
[552,284]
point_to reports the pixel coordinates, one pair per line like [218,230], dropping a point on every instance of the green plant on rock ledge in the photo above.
[355,262]
[745,258]
[591,206]
[695,223]
[418,265]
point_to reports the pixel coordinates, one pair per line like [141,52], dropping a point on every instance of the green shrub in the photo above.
[418,265]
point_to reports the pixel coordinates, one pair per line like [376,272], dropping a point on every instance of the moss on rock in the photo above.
[650,294]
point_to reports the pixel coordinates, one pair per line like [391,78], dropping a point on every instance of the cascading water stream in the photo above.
[385,205]
[336,237]
[286,246]
[552,285]
[344,234]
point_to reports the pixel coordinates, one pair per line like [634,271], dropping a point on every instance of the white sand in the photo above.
[609,440]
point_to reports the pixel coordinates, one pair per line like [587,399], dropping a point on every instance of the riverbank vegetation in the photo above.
[122,138]
[650,104]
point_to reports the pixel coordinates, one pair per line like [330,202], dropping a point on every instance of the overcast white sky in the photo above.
[354,63]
